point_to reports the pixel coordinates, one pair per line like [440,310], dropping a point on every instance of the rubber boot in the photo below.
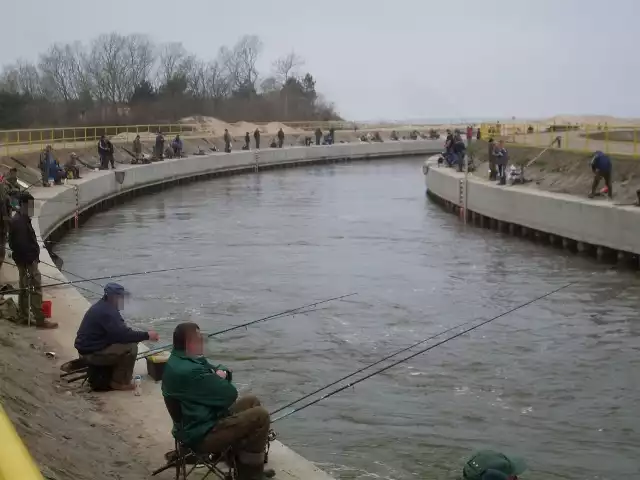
[250,466]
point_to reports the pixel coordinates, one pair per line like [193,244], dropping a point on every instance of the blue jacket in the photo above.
[601,162]
[102,326]
[48,165]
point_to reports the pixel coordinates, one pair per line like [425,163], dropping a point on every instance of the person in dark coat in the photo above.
[280,138]
[247,141]
[110,155]
[601,167]
[256,137]
[502,159]
[104,338]
[103,153]
[318,136]
[159,149]
[26,255]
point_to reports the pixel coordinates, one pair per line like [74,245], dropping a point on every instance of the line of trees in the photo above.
[118,79]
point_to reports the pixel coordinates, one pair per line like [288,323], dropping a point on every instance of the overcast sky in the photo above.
[389,59]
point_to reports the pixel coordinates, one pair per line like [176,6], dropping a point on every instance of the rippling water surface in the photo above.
[557,381]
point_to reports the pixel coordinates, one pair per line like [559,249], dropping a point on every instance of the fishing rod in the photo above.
[419,352]
[366,367]
[286,313]
[109,277]
[50,277]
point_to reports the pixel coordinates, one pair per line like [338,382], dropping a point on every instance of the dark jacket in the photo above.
[601,162]
[103,147]
[204,397]
[22,240]
[256,134]
[102,326]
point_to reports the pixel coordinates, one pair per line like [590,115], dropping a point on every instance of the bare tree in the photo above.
[57,67]
[174,60]
[240,62]
[140,59]
[287,67]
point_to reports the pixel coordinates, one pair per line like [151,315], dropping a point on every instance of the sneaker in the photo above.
[47,325]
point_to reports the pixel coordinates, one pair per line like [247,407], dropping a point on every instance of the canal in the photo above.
[557,382]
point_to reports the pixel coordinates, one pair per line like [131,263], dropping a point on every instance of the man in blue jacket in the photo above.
[104,339]
[601,167]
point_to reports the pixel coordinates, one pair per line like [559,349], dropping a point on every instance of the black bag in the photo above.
[99,377]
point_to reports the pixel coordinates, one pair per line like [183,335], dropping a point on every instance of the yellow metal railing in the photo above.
[618,139]
[15,461]
[28,140]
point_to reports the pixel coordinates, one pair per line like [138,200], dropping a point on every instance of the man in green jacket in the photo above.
[490,465]
[213,417]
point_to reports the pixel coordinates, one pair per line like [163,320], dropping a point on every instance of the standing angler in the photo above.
[280,138]
[103,153]
[227,141]
[26,255]
[256,137]
[601,167]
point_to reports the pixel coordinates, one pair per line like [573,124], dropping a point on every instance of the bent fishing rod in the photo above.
[113,276]
[419,352]
[371,365]
[286,313]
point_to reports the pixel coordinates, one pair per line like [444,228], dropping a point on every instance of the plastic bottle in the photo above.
[137,382]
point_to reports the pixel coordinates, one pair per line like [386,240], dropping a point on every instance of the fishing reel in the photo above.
[270,438]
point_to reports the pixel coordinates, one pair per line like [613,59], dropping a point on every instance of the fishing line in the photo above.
[122,275]
[419,352]
[286,313]
[360,370]
[50,277]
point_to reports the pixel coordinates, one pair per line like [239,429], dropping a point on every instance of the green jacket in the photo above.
[204,396]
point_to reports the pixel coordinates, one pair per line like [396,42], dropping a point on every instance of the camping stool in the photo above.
[183,455]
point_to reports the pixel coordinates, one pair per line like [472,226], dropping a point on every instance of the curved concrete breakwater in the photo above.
[597,227]
[58,207]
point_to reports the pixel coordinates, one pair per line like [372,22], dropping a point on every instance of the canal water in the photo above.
[557,382]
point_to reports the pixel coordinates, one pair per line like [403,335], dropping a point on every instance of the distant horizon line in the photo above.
[483,119]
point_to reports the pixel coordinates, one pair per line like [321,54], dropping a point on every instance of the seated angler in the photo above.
[213,417]
[104,339]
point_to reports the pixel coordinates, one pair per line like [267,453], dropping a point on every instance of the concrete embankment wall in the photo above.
[593,226]
[58,206]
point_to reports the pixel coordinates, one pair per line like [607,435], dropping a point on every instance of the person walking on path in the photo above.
[256,137]
[318,136]
[26,255]
[280,138]
[469,134]
[601,167]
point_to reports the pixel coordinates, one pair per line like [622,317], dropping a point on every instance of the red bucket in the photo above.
[46,308]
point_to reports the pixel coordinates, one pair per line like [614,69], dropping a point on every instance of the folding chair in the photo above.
[222,465]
